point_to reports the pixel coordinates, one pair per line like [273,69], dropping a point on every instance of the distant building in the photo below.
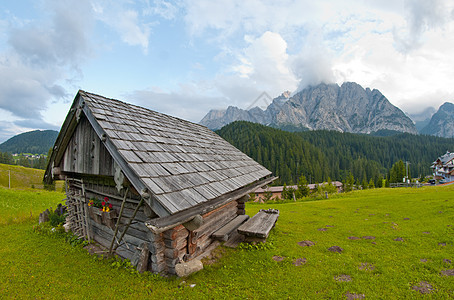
[443,167]
[275,192]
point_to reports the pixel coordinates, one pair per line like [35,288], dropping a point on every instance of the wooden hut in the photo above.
[168,184]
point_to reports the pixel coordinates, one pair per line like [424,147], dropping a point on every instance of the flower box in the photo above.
[108,218]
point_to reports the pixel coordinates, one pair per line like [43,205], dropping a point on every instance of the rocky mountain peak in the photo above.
[442,122]
[345,108]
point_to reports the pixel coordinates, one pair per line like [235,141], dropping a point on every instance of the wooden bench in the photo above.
[224,232]
[259,226]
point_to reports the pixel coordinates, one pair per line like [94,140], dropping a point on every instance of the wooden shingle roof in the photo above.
[182,164]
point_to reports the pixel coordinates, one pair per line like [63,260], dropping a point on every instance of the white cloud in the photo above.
[128,21]
[182,104]
[39,57]
[313,65]
[164,9]
[265,63]
[131,31]
[421,16]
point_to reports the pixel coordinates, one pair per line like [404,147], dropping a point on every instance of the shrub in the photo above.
[56,219]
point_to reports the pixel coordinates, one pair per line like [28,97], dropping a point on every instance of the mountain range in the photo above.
[345,108]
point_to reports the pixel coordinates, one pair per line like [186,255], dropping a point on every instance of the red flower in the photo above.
[110,205]
[103,203]
[106,199]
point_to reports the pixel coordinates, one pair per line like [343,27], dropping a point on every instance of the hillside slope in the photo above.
[34,142]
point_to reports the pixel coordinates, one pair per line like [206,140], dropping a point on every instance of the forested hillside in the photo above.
[322,154]
[34,142]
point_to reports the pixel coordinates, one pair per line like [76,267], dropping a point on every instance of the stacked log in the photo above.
[213,220]
[175,241]
[157,262]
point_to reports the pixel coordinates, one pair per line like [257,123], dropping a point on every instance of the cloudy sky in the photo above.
[186,57]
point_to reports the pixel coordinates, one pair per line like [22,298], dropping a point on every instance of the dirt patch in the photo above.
[423,260]
[278,258]
[399,239]
[351,296]
[306,243]
[449,272]
[299,261]
[447,261]
[214,256]
[354,238]
[366,267]
[335,249]
[343,278]
[423,287]
[322,229]
[369,237]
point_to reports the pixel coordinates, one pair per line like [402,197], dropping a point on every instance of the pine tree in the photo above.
[303,189]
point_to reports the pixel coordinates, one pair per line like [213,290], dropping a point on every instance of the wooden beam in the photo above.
[63,138]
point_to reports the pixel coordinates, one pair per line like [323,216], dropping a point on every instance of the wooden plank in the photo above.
[259,225]
[224,232]
[217,217]
[234,240]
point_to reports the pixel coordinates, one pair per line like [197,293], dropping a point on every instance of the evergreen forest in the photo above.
[34,142]
[321,155]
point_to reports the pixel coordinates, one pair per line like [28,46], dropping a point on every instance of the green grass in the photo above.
[22,177]
[20,205]
[43,266]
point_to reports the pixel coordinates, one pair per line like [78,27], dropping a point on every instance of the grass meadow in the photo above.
[18,177]
[397,243]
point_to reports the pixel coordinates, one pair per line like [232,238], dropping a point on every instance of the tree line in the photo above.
[22,160]
[319,155]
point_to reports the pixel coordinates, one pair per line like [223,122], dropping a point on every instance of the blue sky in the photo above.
[184,58]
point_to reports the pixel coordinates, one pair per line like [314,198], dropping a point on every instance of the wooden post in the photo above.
[118,221]
[9,179]
[143,258]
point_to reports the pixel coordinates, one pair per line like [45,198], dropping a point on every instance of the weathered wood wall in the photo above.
[166,249]
[136,234]
[86,154]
